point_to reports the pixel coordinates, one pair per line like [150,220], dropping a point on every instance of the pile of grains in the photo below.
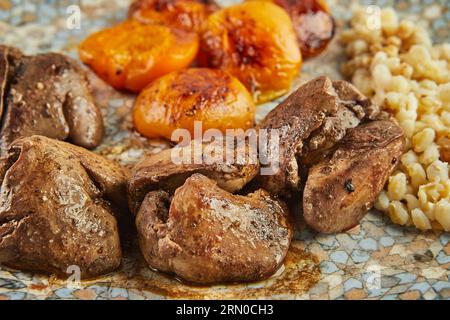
[395,63]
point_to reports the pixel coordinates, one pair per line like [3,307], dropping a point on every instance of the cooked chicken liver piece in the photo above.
[57,208]
[343,187]
[309,123]
[231,164]
[46,94]
[206,235]
[341,147]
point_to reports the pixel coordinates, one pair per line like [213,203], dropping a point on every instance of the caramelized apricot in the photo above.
[256,42]
[178,99]
[130,55]
[312,22]
[184,14]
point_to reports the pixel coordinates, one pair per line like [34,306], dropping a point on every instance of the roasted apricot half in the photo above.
[312,22]
[184,14]
[176,100]
[130,55]
[256,42]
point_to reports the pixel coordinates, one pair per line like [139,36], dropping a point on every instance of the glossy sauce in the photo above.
[298,274]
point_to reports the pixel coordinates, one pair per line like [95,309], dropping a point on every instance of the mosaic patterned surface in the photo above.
[376,260]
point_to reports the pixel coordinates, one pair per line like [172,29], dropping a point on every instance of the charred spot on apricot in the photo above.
[157,5]
[207,87]
[161,5]
[248,51]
